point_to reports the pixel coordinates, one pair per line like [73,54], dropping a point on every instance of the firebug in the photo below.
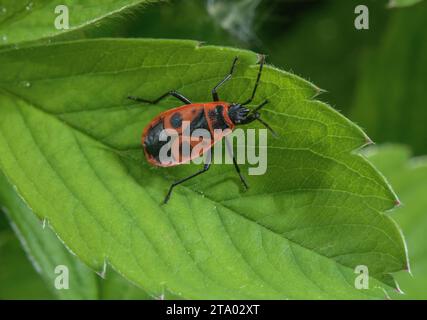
[203,115]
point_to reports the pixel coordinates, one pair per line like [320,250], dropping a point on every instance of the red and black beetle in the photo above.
[207,115]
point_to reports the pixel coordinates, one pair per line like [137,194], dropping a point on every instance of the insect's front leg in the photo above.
[236,166]
[215,96]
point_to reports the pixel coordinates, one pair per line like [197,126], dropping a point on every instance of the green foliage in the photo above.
[409,177]
[3,222]
[177,20]
[70,145]
[18,279]
[323,46]
[42,246]
[46,252]
[402,3]
[31,20]
[390,100]
[116,287]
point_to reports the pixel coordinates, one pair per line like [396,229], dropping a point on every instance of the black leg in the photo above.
[261,64]
[169,93]
[236,166]
[173,185]
[228,77]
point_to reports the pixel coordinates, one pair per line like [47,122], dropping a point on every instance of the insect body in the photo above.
[209,116]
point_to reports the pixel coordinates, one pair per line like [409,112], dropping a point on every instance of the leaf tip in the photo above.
[318,91]
[396,201]
[397,288]
[368,141]
[103,272]
[408,268]
[200,44]
[45,222]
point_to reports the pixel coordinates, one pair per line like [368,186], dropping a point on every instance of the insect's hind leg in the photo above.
[215,96]
[173,185]
[172,93]
[236,166]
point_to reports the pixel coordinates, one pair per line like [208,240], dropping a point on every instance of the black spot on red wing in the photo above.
[176,120]
[217,119]
[199,122]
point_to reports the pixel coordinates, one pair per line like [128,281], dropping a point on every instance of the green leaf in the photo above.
[46,252]
[70,144]
[402,3]
[390,100]
[409,177]
[18,279]
[3,222]
[18,17]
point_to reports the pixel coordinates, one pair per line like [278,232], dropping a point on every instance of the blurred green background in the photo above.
[376,77]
